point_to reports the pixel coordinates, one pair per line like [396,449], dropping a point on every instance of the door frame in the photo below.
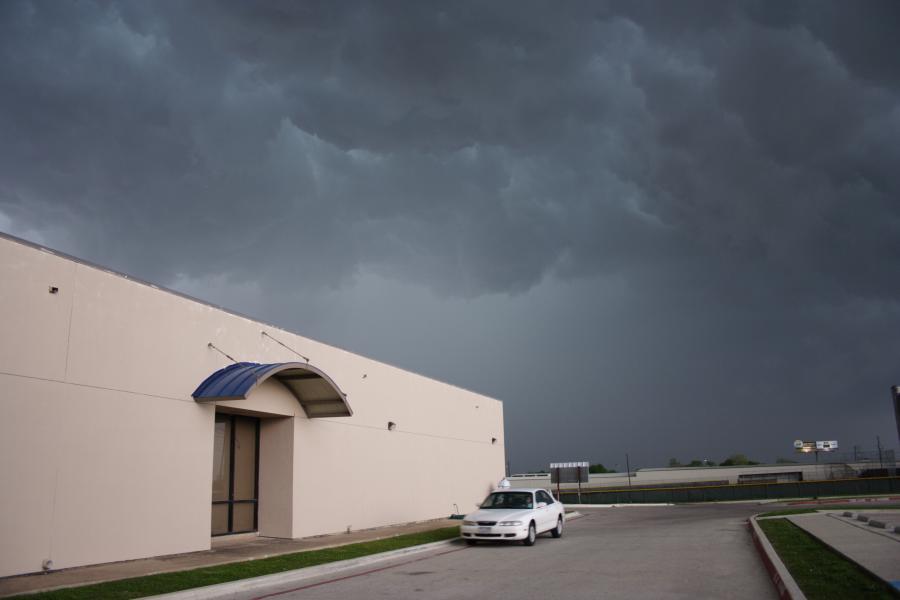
[232,418]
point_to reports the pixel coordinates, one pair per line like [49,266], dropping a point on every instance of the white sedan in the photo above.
[514,514]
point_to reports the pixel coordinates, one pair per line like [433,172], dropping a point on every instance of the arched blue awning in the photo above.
[317,393]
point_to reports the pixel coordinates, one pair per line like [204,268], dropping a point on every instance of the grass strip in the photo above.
[788,511]
[163,583]
[820,572]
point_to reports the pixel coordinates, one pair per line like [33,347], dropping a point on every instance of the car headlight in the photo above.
[509,523]
[469,523]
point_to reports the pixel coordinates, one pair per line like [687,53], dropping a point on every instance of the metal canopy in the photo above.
[317,393]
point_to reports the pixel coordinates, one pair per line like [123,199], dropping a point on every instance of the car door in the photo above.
[547,516]
[556,510]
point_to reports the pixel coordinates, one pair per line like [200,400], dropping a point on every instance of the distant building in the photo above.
[125,431]
[713,476]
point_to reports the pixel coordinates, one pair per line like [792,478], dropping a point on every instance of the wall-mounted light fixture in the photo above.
[391,426]
[493,440]
[53,289]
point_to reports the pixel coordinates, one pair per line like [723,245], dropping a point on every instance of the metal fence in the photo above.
[745,491]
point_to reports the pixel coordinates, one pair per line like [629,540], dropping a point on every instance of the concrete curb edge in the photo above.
[785,585]
[648,504]
[255,583]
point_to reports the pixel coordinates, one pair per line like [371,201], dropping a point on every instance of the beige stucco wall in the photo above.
[111,457]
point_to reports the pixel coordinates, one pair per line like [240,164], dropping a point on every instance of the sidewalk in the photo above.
[224,550]
[877,550]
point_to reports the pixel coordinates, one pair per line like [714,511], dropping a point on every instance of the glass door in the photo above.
[235,481]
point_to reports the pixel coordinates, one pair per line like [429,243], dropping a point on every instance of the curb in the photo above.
[257,584]
[785,585]
[882,528]
[617,505]
[845,500]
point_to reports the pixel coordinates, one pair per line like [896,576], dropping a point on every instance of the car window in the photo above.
[508,500]
[544,497]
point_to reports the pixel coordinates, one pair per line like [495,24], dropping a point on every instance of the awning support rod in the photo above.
[213,346]
[280,343]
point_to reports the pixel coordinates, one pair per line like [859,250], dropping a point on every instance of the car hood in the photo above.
[499,514]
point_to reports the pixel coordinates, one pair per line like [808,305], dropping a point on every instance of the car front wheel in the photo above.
[532,535]
[557,531]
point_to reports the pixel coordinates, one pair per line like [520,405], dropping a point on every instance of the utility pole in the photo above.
[878,442]
[628,468]
[895,392]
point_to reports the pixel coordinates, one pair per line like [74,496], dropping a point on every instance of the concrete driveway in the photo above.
[699,551]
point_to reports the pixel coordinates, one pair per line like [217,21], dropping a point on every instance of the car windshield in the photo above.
[508,500]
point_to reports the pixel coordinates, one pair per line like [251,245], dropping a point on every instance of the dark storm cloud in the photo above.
[691,206]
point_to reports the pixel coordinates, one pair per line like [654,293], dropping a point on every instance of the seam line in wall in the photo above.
[431,435]
[96,387]
[110,389]
[69,324]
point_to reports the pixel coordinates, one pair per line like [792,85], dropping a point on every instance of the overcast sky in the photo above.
[670,229]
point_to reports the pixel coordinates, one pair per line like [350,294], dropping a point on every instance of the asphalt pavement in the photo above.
[694,551]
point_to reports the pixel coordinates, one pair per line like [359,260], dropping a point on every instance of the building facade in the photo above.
[126,431]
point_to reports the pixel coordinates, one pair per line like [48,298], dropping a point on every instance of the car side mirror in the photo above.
[542,505]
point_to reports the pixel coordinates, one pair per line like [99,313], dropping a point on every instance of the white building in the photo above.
[111,449]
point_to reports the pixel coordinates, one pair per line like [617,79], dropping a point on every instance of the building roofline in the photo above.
[99,267]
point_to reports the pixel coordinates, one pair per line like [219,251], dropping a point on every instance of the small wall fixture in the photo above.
[493,440]
[391,426]
[53,289]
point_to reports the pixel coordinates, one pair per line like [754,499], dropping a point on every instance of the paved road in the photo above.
[701,551]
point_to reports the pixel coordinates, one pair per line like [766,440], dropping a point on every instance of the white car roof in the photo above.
[519,490]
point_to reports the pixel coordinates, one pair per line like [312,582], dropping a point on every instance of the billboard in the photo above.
[569,472]
[820,446]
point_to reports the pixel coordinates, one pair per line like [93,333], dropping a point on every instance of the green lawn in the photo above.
[821,573]
[788,511]
[172,582]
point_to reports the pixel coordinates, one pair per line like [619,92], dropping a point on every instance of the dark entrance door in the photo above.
[235,481]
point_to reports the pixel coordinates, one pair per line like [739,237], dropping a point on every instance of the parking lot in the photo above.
[695,551]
